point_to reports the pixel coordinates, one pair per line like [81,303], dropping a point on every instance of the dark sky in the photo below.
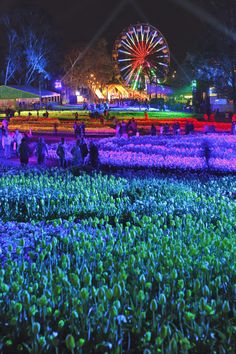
[81,20]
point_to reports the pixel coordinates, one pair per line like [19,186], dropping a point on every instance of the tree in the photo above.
[88,66]
[36,55]
[12,59]
[29,46]
[213,61]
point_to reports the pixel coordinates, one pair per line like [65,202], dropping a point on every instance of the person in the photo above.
[75,127]
[7,145]
[26,136]
[61,153]
[161,129]
[17,140]
[206,151]
[83,148]
[55,125]
[191,127]
[123,129]
[118,130]
[77,159]
[5,124]
[82,130]
[76,116]
[177,128]
[41,151]
[233,128]
[187,128]
[24,152]
[153,130]
[4,132]
[217,114]
[93,155]
[146,114]
[166,129]
[133,126]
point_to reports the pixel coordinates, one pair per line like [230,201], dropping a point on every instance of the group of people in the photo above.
[81,153]
[19,145]
[166,129]
[124,129]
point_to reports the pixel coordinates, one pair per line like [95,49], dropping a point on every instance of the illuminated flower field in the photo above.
[184,152]
[116,265]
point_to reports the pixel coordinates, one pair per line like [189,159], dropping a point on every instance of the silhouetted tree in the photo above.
[30,46]
[88,66]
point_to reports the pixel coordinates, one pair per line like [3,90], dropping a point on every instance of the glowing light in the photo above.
[137,77]
[162,64]
[124,51]
[126,67]
[58,84]
[127,59]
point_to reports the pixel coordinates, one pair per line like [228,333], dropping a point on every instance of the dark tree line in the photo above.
[212,59]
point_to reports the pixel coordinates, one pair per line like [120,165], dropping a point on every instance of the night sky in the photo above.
[79,21]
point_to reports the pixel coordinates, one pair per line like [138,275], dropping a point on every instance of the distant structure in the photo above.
[26,97]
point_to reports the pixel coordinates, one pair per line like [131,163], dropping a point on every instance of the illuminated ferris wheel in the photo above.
[142,56]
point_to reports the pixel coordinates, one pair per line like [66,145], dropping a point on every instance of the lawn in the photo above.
[70,114]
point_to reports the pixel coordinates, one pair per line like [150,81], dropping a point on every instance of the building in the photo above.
[26,97]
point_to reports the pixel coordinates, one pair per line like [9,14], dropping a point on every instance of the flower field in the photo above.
[184,152]
[104,264]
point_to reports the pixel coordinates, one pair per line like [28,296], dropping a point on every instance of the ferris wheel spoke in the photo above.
[138,50]
[153,46]
[152,39]
[163,64]
[141,48]
[127,45]
[126,59]
[124,51]
[162,56]
[137,77]
[135,48]
[159,49]
[136,35]
[125,67]
[129,76]
[142,34]
[131,38]
[147,36]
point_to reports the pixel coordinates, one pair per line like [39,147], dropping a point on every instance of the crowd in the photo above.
[130,128]
[82,154]
[21,146]
[124,129]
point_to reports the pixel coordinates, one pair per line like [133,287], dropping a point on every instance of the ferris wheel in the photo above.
[142,56]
